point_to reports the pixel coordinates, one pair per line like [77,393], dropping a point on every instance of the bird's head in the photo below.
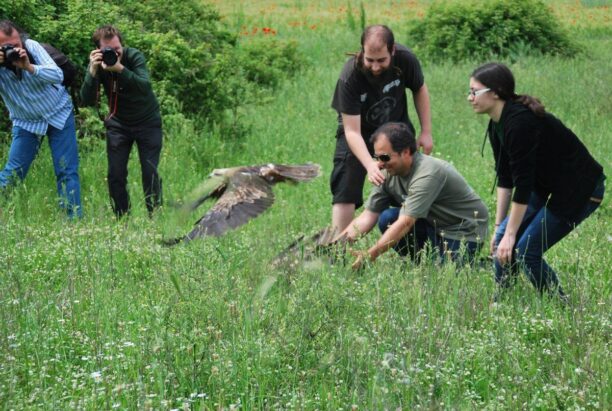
[219,172]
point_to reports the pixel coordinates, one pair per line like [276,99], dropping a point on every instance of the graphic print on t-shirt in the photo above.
[380,112]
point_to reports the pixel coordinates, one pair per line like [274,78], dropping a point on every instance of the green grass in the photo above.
[96,314]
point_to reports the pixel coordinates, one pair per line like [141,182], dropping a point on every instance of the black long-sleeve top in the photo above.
[540,154]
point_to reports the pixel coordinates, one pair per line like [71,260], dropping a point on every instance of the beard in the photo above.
[380,79]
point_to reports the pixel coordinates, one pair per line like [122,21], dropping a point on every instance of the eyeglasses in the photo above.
[385,158]
[476,93]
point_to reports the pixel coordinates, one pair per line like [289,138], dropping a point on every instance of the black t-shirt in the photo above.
[378,99]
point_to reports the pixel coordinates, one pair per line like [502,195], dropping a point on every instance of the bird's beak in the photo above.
[218,172]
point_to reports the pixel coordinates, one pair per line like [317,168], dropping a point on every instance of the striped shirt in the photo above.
[36,100]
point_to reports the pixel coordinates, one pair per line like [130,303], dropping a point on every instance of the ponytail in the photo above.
[533,103]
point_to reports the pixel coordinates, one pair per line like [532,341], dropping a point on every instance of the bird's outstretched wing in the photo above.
[324,244]
[243,193]
[213,186]
[294,173]
[246,197]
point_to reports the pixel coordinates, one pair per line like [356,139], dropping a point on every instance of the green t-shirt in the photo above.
[434,190]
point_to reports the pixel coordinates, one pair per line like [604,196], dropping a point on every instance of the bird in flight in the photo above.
[242,193]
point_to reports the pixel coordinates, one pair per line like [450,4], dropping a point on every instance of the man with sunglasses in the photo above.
[423,199]
[371,91]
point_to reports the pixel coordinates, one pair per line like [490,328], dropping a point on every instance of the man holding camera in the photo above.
[38,104]
[134,115]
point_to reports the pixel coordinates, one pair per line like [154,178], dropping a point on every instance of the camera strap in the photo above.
[112,97]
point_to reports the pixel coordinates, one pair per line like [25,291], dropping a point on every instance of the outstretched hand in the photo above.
[505,248]
[361,259]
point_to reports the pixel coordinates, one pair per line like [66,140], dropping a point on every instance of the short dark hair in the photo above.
[399,135]
[105,32]
[7,27]
[381,32]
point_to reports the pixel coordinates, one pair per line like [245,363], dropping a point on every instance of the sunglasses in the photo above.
[382,157]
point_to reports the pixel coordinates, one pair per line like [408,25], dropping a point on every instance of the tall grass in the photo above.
[95,314]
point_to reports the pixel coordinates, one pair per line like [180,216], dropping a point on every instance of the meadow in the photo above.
[97,314]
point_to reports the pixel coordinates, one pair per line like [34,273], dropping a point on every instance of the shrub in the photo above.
[485,28]
[197,67]
[267,61]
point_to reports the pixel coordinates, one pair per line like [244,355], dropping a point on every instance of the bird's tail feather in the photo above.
[298,172]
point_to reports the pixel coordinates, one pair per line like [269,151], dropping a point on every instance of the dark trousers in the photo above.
[119,141]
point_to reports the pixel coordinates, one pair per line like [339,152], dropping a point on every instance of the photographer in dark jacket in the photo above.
[134,115]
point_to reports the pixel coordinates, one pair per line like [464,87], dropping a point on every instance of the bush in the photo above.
[267,61]
[486,28]
[197,67]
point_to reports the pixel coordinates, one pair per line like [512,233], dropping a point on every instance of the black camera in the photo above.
[109,56]
[10,54]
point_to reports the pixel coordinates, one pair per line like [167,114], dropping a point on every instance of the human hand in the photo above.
[492,245]
[23,62]
[361,257]
[425,140]
[115,68]
[505,248]
[95,59]
[375,176]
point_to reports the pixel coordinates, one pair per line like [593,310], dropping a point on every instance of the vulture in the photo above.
[242,193]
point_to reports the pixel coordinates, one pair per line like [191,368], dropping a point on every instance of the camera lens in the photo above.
[11,55]
[109,56]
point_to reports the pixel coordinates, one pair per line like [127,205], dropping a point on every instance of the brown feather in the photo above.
[246,193]
[246,197]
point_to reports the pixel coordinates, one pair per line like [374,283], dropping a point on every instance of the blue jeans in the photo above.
[64,151]
[421,233]
[538,232]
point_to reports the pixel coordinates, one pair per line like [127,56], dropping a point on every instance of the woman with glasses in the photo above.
[545,176]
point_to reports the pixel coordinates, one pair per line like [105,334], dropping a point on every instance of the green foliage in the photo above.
[595,3]
[267,61]
[195,63]
[350,19]
[485,28]
[362,16]
[91,316]
[24,11]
